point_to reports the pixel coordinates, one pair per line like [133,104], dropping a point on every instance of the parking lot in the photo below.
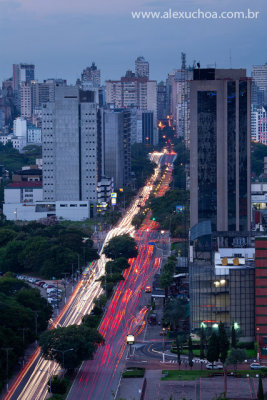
[56,292]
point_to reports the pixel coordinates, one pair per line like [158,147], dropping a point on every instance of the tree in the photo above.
[260,394]
[190,352]
[178,345]
[202,344]
[9,256]
[117,266]
[121,246]
[223,343]
[223,348]
[213,351]
[81,339]
[175,310]
[233,338]
[236,356]
[58,386]
[165,281]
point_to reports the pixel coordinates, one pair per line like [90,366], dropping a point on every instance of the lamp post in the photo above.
[130,342]
[63,356]
[7,349]
[163,344]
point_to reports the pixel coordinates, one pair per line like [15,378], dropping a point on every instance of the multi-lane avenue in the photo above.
[98,378]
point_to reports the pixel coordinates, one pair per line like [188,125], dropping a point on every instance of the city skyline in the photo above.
[63,39]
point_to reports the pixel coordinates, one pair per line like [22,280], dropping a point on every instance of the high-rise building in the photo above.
[117,145]
[260,294]
[132,91]
[47,89]
[259,87]
[162,102]
[220,149]
[26,105]
[70,153]
[22,73]
[147,127]
[141,68]
[259,124]
[91,74]
[222,290]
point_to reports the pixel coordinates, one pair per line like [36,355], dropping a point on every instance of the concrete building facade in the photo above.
[220,149]
[70,137]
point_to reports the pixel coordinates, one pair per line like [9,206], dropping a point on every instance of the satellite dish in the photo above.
[236,261]
[224,261]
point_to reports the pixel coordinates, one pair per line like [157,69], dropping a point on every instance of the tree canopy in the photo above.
[121,246]
[20,307]
[46,251]
[80,338]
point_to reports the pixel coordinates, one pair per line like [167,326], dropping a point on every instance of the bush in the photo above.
[246,345]
[58,386]
[134,373]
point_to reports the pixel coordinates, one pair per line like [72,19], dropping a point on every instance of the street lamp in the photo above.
[130,342]
[163,344]
[236,326]
[63,356]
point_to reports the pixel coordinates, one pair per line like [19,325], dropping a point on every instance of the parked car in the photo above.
[41,284]
[214,366]
[53,290]
[51,286]
[256,366]
[45,286]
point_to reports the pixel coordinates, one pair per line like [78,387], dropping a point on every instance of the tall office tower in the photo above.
[220,149]
[147,127]
[91,74]
[161,102]
[25,95]
[132,91]
[141,68]
[259,86]
[259,124]
[70,137]
[117,145]
[22,73]
[47,89]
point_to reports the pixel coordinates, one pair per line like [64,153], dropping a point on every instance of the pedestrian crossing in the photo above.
[185,361]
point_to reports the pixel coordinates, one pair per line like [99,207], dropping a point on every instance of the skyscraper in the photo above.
[91,74]
[220,149]
[161,102]
[259,87]
[132,91]
[70,138]
[141,68]
[117,145]
[22,74]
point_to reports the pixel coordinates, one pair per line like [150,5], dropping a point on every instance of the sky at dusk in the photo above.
[61,37]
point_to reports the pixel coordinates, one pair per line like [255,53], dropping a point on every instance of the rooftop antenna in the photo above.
[183,58]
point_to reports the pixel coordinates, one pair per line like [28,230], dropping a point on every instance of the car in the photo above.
[148,289]
[45,286]
[41,283]
[214,366]
[256,366]
[49,290]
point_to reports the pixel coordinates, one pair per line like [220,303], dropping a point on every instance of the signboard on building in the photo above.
[113,195]
[179,209]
